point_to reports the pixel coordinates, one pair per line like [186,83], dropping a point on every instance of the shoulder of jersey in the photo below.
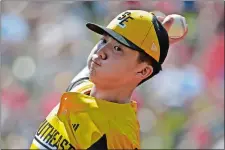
[84,87]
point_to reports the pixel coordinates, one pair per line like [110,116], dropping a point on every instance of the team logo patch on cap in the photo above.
[125,17]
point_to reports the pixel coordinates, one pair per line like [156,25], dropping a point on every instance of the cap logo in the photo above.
[125,17]
[153,48]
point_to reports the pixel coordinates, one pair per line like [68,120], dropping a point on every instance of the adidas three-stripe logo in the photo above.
[75,126]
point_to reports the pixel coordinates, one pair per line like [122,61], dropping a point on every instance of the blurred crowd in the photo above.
[44,44]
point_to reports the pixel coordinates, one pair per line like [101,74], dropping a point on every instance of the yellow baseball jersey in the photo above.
[80,121]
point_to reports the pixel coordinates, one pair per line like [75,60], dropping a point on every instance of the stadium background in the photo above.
[45,44]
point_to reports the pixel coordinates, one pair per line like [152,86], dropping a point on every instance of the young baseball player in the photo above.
[96,112]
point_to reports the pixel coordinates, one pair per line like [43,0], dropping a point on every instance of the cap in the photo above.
[139,30]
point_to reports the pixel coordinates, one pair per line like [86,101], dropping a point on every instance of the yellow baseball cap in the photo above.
[139,30]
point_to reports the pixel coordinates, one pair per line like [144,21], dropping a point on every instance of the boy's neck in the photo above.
[116,95]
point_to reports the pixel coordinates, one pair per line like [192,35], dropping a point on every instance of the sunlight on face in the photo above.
[112,63]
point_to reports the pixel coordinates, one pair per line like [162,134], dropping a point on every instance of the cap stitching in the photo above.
[146,35]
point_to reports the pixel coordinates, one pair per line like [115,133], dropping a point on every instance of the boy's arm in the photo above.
[81,76]
[84,73]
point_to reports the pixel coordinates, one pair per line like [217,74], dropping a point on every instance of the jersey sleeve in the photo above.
[78,79]
[76,83]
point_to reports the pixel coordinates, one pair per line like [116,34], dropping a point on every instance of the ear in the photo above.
[145,72]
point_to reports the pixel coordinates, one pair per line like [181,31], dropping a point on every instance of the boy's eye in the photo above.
[117,48]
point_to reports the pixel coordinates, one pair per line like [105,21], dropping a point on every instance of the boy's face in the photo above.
[113,64]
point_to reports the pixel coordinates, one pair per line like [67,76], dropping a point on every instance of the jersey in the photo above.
[80,121]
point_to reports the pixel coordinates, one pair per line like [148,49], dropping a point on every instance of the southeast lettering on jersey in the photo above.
[50,138]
